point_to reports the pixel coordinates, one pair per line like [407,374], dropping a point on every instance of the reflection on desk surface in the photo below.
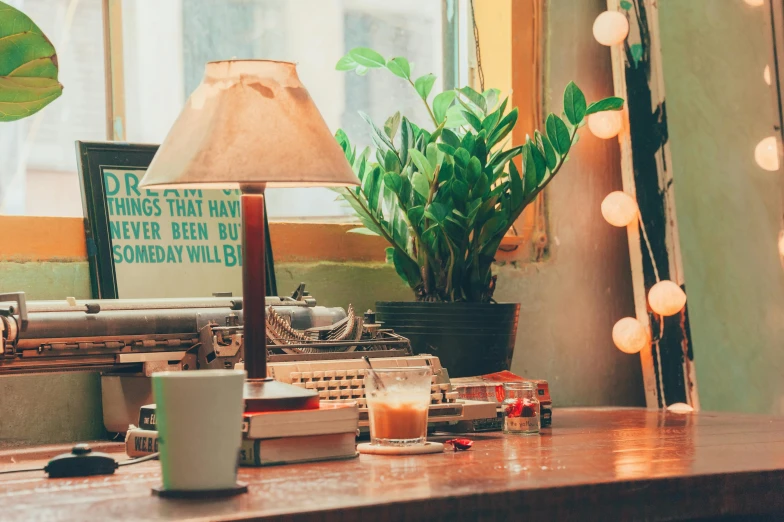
[603,463]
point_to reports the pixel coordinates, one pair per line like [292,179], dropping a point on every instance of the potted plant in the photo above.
[444,194]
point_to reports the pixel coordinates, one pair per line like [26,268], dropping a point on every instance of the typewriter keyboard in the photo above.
[336,380]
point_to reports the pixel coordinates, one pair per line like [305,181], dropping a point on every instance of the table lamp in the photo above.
[251,124]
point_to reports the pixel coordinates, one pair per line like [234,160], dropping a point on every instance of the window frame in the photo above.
[33,238]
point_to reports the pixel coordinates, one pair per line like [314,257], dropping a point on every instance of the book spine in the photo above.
[139,442]
[250,452]
[147,417]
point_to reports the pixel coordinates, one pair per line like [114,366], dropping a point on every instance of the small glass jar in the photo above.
[522,413]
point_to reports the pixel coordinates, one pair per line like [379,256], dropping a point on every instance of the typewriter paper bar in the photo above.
[157,243]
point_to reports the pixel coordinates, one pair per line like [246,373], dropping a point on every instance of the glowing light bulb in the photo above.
[680,407]
[610,28]
[666,298]
[619,209]
[754,3]
[766,154]
[605,125]
[630,335]
[766,74]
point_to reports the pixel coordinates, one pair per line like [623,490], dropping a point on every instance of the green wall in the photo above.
[729,210]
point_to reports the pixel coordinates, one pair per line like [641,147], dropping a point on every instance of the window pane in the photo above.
[166,45]
[38,168]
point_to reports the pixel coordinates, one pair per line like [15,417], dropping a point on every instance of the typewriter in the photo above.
[127,340]
[343,380]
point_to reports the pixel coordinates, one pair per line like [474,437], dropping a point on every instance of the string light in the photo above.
[766,154]
[619,209]
[630,335]
[605,125]
[610,28]
[766,74]
[666,298]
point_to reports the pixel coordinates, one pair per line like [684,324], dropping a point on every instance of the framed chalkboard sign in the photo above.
[157,243]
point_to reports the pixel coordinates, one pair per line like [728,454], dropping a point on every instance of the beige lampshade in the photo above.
[249,122]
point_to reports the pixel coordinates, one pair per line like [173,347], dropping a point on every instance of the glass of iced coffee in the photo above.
[397,401]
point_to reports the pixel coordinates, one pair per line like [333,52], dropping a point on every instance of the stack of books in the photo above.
[273,438]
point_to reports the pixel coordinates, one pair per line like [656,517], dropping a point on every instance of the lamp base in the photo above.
[270,395]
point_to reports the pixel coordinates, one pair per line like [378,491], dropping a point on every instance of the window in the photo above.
[166,44]
[158,59]
[38,167]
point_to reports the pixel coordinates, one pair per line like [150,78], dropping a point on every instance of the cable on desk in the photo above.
[128,462]
[6,471]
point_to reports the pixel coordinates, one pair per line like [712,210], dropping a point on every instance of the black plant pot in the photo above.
[468,338]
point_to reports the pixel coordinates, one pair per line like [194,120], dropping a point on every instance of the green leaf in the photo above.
[499,159]
[437,212]
[549,153]
[516,187]
[367,57]
[441,104]
[459,191]
[371,186]
[450,138]
[347,63]
[454,117]
[474,97]
[473,171]
[462,157]
[415,215]
[626,5]
[391,162]
[391,125]
[481,187]
[558,134]
[361,70]
[28,66]
[421,163]
[420,184]
[399,66]
[424,84]
[431,153]
[406,140]
[529,171]
[447,149]
[394,182]
[612,103]
[436,133]
[489,123]
[445,173]
[407,269]
[363,231]
[540,166]
[503,128]
[491,97]
[377,133]
[574,104]
[471,118]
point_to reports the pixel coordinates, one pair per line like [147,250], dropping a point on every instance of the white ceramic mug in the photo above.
[199,421]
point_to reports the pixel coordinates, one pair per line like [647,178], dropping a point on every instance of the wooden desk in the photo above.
[594,464]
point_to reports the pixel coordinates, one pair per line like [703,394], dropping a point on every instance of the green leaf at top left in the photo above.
[28,66]
[367,57]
